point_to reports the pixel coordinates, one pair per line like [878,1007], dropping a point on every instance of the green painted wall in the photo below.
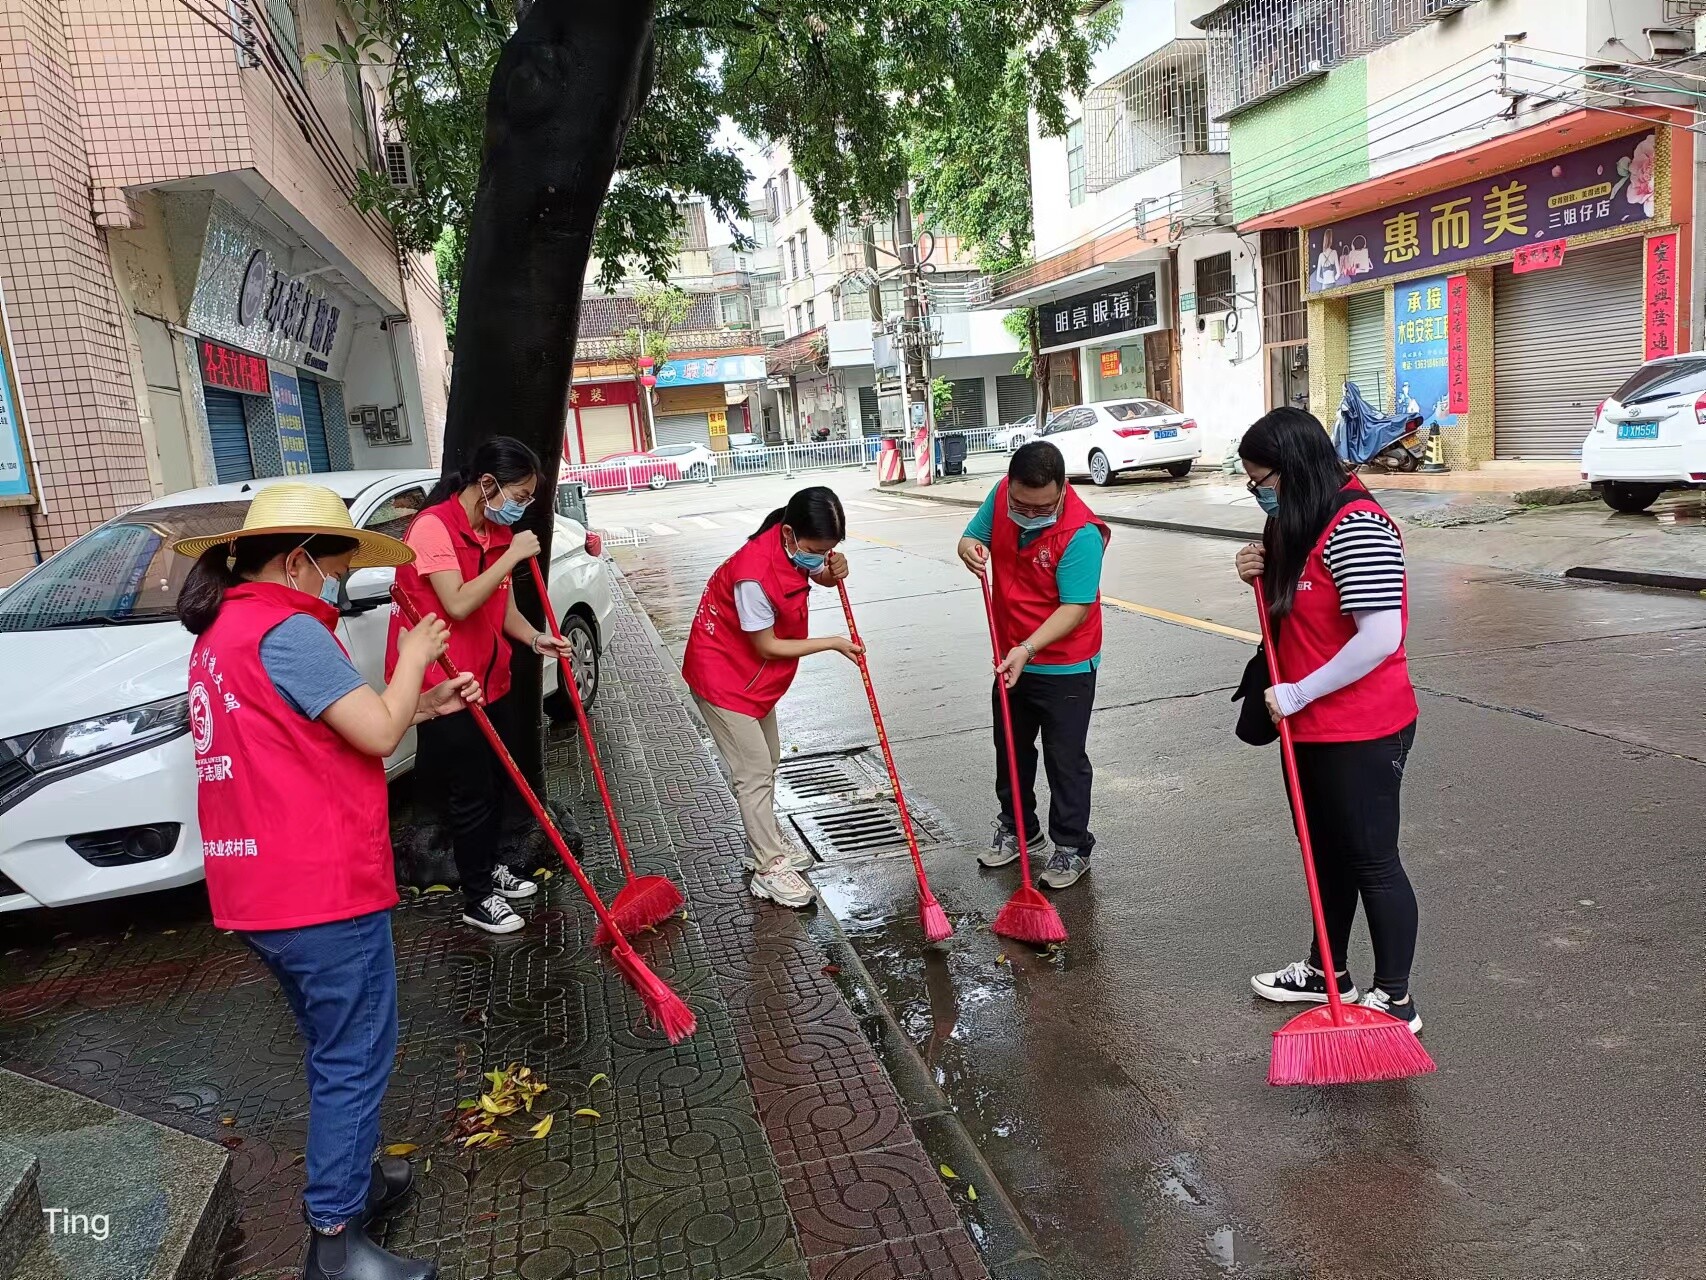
[1311,140]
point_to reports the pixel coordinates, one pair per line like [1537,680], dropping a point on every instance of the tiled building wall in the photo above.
[64,307]
[432,358]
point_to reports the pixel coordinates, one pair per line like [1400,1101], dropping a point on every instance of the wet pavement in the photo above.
[769,1146]
[1117,1088]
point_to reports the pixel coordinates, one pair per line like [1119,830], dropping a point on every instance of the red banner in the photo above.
[1457,344]
[590,395]
[238,370]
[1661,295]
[1538,257]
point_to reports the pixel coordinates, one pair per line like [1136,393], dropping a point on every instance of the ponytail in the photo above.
[813,513]
[503,457]
[232,563]
[775,518]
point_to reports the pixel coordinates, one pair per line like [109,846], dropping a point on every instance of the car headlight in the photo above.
[120,731]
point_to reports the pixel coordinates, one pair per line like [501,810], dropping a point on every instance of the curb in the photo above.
[1002,1238]
[1635,578]
[1131,522]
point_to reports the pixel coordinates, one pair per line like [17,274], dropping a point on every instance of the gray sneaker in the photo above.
[1064,869]
[783,886]
[797,860]
[1004,848]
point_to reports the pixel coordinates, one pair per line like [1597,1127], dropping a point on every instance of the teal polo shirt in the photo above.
[1078,576]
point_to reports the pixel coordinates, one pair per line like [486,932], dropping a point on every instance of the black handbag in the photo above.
[1255,725]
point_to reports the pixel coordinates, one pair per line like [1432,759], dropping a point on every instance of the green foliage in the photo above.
[846,83]
[661,310]
[941,399]
[447,255]
[1021,323]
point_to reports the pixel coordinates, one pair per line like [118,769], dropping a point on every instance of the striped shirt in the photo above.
[1366,559]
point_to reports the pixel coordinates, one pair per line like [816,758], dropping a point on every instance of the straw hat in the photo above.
[307,509]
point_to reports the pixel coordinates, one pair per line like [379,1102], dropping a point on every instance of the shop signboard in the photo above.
[15,485]
[1597,188]
[593,395]
[1661,295]
[1128,307]
[710,370]
[292,430]
[222,366]
[1110,364]
[1457,345]
[719,421]
[1421,349]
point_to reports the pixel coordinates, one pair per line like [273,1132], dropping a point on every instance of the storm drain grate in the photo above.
[858,831]
[810,782]
[1538,582]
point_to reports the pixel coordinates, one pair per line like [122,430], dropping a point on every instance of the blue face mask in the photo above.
[809,561]
[1267,498]
[329,586]
[509,512]
[1031,524]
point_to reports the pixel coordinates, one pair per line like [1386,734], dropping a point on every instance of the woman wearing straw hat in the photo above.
[290,745]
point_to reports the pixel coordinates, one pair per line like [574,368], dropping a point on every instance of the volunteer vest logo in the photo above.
[1303,584]
[201,719]
[1045,560]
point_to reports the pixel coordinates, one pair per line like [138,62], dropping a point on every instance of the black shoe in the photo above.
[1300,983]
[350,1255]
[493,914]
[1405,1012]
[393,1179]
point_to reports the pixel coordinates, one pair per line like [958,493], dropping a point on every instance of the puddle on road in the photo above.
[1232,1248]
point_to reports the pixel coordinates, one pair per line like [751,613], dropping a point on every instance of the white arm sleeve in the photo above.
[753,606]
[1378,635]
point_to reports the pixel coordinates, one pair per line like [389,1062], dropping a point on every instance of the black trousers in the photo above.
[1350,796]
[1056,708]
[454,761]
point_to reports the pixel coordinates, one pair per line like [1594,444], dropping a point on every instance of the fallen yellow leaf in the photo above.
[436,888]
[947,1172]
[543,1127]
[588,1111]
[475,1139]
[402,1149]
[971,1192]
[228,1120]
[598,1079]
[428,1168]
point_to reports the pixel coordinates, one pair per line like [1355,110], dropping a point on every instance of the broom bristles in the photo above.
[644,903]
[1369,1046]
[937,927]
[667,1011]
[1030,917]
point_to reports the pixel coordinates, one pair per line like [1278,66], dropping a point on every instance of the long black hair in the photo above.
[502,457]
[229,564]
[1297,446]
[813,513]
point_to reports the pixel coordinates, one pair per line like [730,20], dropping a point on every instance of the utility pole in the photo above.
[915,334]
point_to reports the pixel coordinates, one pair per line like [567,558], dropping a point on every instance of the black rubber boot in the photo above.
[393,1179]
[350,1255]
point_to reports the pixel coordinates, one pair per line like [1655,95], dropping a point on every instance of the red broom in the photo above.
[930,913]
[1028,916]
[1336,1043]
[645,901]
[666,1009]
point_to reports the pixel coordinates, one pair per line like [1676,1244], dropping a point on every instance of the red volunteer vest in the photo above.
[721,666]
[477,643]
[1026,592]
[294,823]
[1378,705]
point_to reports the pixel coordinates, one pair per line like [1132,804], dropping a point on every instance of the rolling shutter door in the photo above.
[229,433]
[684,428]
[870,412]
[1365,319]
[606,430]
[1563,340]
[968,411]
[314,419]
[1014,397]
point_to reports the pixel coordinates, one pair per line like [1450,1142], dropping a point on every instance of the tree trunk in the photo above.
[566,88]
[1039,368]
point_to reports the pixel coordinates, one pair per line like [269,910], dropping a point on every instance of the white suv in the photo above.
[1650,436]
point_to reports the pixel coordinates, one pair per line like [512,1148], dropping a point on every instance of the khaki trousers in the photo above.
[751,749]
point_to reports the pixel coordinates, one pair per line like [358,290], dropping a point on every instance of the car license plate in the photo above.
[1637,431]
[1166,433]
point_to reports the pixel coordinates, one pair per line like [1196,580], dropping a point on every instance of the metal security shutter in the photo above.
[314,419]
[1365,319]
[1563,339]
[1015,396]
[229,434]
[870,412]
[684,428]
[606,430]
[968,411]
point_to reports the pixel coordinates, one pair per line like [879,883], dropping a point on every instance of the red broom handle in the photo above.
[1295,790]
[566,676]
[514,770]
[882,734]
[1006,713]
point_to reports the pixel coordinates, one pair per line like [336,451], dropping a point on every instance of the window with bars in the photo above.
[695,235]
[1214,283]
[811,314]
[805,250]
[281,18]
[1148,114]
[1285,317]
[787,192]
[1075,185]
[793,260]
[1257,49]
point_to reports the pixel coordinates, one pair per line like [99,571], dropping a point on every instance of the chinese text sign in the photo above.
[1457,344]
[1421,350]
[292,430]
[1661,296]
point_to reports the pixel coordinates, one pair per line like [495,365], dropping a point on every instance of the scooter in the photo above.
[1386,442]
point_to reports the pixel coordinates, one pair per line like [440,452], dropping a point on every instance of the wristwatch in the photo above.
[533,644]
[1029,648]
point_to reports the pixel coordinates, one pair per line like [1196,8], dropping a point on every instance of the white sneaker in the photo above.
[494,915]
[796,860]
[510,885]
[1406,1012]
[783,886]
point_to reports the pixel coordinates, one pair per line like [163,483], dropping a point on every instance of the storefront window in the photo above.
[1118,371]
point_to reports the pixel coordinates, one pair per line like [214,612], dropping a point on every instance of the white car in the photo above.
[1011,436]
[1102,440]
[1650,435]
[694,461]
[97,776]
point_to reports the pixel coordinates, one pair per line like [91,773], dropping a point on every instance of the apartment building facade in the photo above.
[1490,202]
[192,296]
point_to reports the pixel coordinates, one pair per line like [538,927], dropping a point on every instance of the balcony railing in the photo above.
[1257,49]
[1154,111]
[728,338]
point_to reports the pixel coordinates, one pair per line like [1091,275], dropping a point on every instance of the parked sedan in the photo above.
[1011,436]
[693,461]
[622,471]
[1650,435]
[97,775]
[1102,440]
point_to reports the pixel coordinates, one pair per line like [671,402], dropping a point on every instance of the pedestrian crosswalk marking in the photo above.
[663,531]
[702,522]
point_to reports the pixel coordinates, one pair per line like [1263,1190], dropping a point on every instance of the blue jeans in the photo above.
[341,982]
